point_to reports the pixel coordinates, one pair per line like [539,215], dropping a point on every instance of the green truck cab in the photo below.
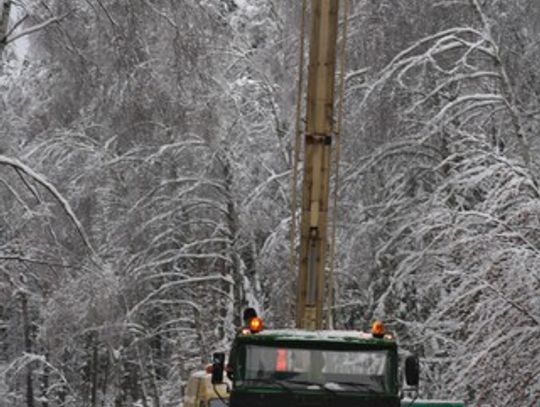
[289,368]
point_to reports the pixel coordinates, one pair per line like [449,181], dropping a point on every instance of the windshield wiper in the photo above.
[319,385]
[359,385]
[269,380]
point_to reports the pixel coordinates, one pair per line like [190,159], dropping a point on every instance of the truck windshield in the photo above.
[335,370]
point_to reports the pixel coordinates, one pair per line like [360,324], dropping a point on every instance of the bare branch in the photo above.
[18,23]
[33,261]
[160,13]
[16,164]
[33,29]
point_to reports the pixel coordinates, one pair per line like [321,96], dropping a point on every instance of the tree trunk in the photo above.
[27,349]
[105,379]
[94,370]
[235,289]
[153,381]
[143,376]
[45,382]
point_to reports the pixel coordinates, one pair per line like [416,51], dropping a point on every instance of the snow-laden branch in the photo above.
[451,81]
[493,98]
[260,188]
[19,364]
[40,179]
[445,41]
[176,257]
[174,284]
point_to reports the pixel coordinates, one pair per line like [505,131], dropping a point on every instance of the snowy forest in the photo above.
[146,149]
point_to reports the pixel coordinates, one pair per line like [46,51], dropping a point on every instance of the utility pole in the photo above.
[318,144]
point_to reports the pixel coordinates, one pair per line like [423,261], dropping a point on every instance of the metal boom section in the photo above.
[318,144]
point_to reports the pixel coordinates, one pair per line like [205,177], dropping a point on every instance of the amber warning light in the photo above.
[377,329]
[255,325]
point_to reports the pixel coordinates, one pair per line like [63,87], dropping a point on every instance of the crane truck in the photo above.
[310,366]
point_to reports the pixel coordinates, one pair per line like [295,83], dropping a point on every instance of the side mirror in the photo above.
[412,371]
[218,365]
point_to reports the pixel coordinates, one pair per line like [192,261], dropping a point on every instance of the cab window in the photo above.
[342,370]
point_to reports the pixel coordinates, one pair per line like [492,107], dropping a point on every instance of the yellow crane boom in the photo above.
[318,144]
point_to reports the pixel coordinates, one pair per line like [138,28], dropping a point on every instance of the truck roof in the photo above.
[330,336]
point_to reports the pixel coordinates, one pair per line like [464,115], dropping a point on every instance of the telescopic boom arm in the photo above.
[318,145]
